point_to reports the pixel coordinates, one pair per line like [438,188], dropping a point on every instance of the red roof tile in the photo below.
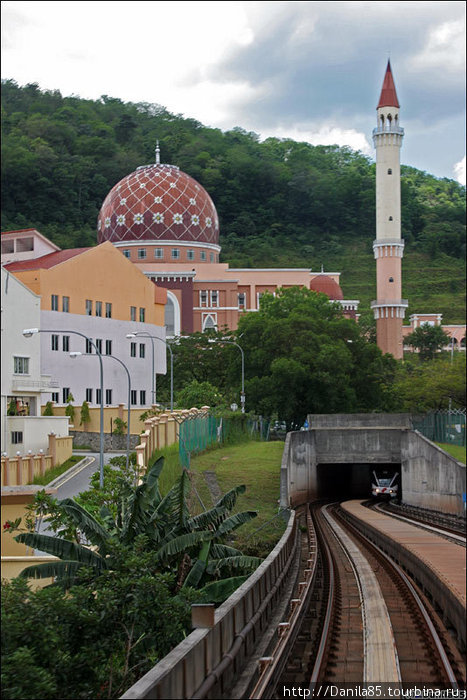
[46,261]
[388,97]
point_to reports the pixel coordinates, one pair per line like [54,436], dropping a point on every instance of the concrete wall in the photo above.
[360,420]
[431,478]
[35,430]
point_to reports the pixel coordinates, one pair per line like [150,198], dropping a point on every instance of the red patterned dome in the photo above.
[155,203]
[326,285]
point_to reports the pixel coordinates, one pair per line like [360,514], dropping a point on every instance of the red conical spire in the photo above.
[388,97]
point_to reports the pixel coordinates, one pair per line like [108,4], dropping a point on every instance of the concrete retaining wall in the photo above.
[111,442]
[431,478]
[360,420]
[214,657]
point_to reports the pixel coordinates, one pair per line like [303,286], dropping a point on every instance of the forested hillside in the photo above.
[280,203]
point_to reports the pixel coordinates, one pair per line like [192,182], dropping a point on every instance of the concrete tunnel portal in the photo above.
[341,481]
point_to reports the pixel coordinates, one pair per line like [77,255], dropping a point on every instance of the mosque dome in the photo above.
[158,203]
[326,285]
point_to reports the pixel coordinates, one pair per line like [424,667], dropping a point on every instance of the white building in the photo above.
[22,379]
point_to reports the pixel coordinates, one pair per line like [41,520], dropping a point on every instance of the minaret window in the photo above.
[390,218]
[389,171]
[391,279]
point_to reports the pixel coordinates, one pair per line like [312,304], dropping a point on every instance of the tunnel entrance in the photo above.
[339,481]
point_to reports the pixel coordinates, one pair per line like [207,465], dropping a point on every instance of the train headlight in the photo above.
[377,490]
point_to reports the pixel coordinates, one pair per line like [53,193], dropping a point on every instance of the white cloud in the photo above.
[323,135]
[459,171]
[444,49]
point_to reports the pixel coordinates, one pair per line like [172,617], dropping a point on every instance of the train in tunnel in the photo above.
[384,485]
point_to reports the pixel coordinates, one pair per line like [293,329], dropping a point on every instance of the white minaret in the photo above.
[389,307]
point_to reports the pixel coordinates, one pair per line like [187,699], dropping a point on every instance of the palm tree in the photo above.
[193,546]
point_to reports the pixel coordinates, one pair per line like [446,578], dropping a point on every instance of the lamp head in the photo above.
[28,332]
[75,353]
[131,335]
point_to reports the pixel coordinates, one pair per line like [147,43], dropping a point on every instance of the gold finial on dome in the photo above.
[158,153]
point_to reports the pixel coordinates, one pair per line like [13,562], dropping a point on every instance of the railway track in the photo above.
[450,528]
[366,623]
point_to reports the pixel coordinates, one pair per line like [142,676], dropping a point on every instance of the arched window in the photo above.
[389,171]
[209,321]
[390,218]
[172,315]
[391,279]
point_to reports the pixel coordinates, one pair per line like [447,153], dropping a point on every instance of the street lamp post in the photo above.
[77,354]
[28,332]
[143,334]
[231,342]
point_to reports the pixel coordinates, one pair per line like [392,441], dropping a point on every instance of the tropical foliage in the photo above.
[193,547]
[428,340]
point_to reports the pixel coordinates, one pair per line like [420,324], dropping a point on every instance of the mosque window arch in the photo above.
[390,218]
[391,279]
[389,171]
[209,321]
[172,315]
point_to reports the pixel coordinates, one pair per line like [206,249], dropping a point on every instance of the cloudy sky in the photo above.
[311,71]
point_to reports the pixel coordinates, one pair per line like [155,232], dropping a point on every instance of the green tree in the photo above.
[430,385]
[85,416]
[197,394]
[48,410]
[302,355]
[70,409]
[428,340]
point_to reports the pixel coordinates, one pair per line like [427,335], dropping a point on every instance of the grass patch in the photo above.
[172,469]
[456,451]
[257,465]
[51,474]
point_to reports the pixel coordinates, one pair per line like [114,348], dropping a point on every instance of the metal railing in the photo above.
[446,426]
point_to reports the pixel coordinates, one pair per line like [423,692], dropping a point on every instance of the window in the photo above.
[389,171]
[158,253]
[16,437]
[390,218]
[54,302]
[88,346]
[142,398]
[241,300]
[133,397]
[66,343]
[98,308]
[175,253]
[141,253]
[132,313]
[65,393]
[190,255]
[214,298]
[391,279]
[127,253]
[211,257]
[108,396]
[88,307]
[142,350]
[203,298]
[55,396]
[66,304]
[209,321]
[98,396]
[258,299]
[202,256]
[132,349]
[21,365]
[54,342]
[89,395]
[108,348]
[99,345]
[108,310]
[142,315]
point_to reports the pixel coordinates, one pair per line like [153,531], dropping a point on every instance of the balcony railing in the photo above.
[389,302]
[390,130]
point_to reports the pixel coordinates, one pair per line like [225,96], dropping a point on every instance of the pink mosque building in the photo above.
[166,223]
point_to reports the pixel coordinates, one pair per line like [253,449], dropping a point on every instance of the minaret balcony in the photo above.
[386,129]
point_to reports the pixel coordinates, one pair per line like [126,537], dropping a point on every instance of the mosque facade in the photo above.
[167,225]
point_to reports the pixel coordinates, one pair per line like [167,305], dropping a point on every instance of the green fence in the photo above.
[446,426]
[197,434]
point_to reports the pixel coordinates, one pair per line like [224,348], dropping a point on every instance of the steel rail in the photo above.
[420,605]
[418,523]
